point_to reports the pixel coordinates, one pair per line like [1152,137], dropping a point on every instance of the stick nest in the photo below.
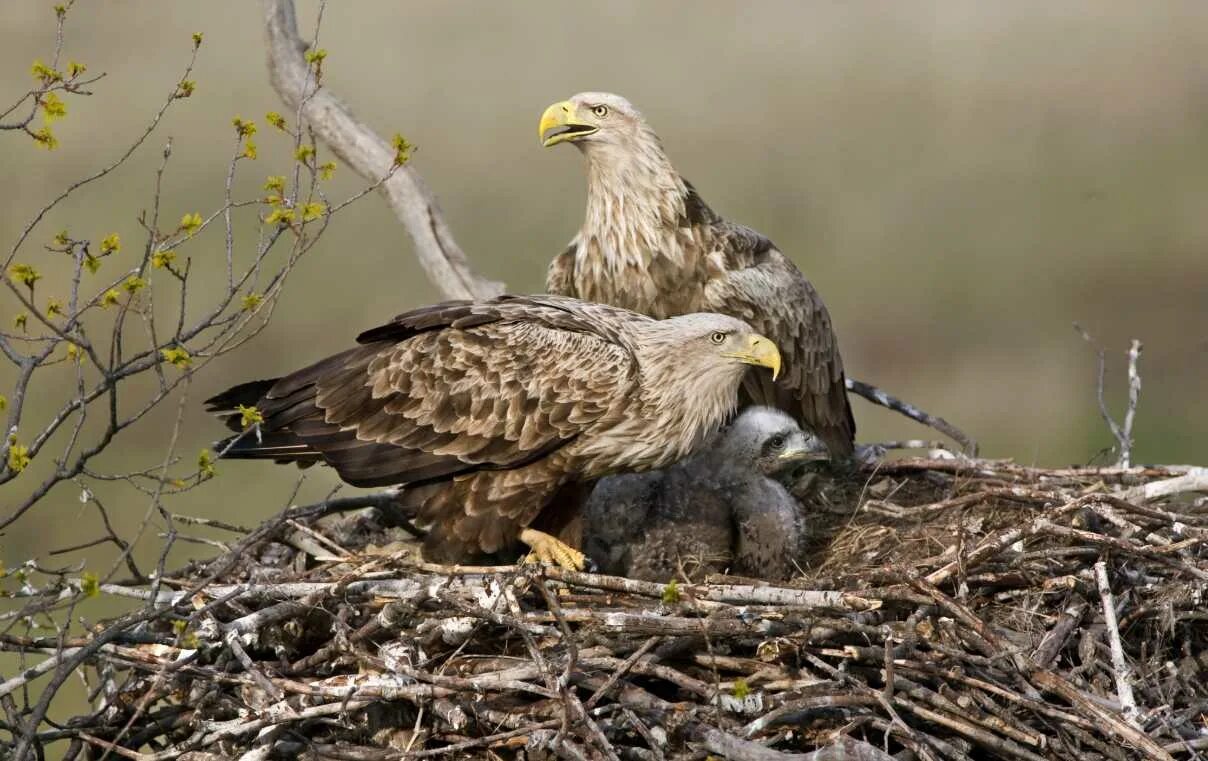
[953,609]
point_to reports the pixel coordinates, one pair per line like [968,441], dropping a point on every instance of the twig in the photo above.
[1055,639]
[1123,672]
[1122,433]
[738,749]
[1194,480]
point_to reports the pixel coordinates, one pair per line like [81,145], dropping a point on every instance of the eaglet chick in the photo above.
[721,509]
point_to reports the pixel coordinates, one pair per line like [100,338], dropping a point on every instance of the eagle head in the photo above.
[590,117]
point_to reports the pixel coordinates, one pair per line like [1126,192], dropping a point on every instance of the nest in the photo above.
[953,609]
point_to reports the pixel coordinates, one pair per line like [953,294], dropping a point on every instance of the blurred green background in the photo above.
[961,181]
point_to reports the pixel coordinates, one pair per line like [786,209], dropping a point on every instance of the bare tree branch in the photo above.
[1122,434]
[371,157]
[1134,393]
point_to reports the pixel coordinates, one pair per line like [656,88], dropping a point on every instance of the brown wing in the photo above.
[452,392]
[452,389]
[760,285]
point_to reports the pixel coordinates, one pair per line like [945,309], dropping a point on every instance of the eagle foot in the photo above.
[551,551]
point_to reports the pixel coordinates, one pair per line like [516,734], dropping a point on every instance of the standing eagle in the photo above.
[650,244]
[483,412]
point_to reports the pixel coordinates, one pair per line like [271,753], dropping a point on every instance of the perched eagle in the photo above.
[650,244]
[483,412]
[722,508]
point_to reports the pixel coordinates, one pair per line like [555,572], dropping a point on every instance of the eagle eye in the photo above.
[717,337]
[776,442]
[600,111]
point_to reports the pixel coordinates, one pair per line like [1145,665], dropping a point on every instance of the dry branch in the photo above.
[1120,666]
[370,157]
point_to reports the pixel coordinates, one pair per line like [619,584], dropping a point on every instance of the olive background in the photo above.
[961,181]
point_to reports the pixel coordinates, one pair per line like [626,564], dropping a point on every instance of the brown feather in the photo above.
[484,412]
[650,243]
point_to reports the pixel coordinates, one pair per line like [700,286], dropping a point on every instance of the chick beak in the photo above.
[796,454]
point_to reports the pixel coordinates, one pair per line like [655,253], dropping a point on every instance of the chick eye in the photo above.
[600,111]
[776,442]
[718,337]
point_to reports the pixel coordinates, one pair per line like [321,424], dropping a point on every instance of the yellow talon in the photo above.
[547,549]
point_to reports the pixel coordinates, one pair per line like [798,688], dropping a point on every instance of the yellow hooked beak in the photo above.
[560,123]
[760,352]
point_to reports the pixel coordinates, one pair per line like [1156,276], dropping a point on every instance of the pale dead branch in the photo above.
[369,156]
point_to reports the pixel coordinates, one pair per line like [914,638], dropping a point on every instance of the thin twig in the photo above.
[1123,673]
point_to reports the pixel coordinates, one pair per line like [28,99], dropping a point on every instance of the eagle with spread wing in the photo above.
[484,412]
[651,244]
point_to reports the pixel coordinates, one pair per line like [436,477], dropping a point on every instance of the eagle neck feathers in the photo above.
[646,235]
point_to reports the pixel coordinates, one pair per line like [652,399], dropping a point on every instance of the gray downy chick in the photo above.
[723,508]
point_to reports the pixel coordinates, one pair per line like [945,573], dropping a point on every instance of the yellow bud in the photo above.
[161,259]
[242,128]
[249,416]
[312,211]
[280,216]
[18,456]
[176,356]
[52,107]
[190,222]
[44,73]
[44,138]
[402,149]
[251,301]
[25,274]
[205,463]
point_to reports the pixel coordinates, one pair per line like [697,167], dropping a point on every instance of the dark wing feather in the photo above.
[761,286]
[448,391]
